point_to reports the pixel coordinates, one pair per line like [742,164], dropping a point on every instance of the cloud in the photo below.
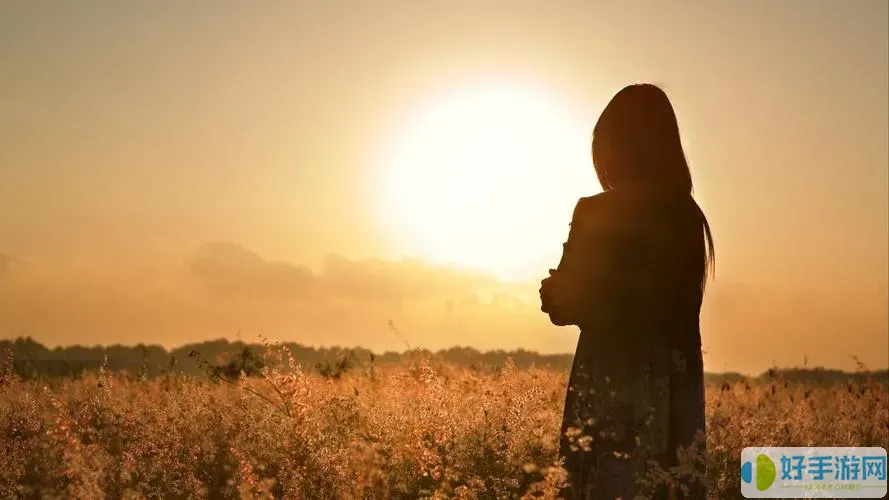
[223,288]
[374,280]
[230,269]
[7,264]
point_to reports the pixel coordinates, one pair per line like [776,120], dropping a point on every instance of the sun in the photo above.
[486,177]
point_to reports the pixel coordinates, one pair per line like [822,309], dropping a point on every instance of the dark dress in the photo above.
[631,277]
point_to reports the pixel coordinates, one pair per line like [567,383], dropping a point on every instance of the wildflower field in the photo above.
[419,429]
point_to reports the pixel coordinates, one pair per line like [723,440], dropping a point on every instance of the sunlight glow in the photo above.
[487,177]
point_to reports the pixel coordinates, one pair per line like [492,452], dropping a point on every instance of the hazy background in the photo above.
[171,172]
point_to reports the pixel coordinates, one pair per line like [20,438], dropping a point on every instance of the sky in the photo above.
[177,171]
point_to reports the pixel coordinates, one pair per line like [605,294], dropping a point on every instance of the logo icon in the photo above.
[814,472]
[765,472]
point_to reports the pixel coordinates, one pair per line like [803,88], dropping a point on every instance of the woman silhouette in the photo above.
[632,277]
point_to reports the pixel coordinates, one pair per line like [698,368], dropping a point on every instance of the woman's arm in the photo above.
[604,265]
[567,290]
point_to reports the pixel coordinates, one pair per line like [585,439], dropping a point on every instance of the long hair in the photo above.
[637,147]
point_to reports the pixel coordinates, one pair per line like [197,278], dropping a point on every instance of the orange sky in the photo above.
[156,160]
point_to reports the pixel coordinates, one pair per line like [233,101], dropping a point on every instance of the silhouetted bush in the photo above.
[248,363]
[336,368]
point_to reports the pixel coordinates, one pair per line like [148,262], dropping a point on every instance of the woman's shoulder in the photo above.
[614,204]
[595,203]
[598,207]
[619,211]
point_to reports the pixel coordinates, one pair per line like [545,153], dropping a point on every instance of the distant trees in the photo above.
[248,362]
[228,359]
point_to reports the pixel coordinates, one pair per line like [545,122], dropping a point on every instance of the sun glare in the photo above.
[486,177]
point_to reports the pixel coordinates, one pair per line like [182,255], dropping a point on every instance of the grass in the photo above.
[421,429]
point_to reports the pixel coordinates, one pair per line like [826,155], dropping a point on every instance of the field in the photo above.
[420,429]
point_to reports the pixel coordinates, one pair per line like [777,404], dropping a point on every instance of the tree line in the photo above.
[223,357]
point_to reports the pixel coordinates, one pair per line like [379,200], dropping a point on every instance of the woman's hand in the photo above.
[546,291]
[551,301]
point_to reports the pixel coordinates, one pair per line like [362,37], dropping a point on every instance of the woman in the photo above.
[632,277]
